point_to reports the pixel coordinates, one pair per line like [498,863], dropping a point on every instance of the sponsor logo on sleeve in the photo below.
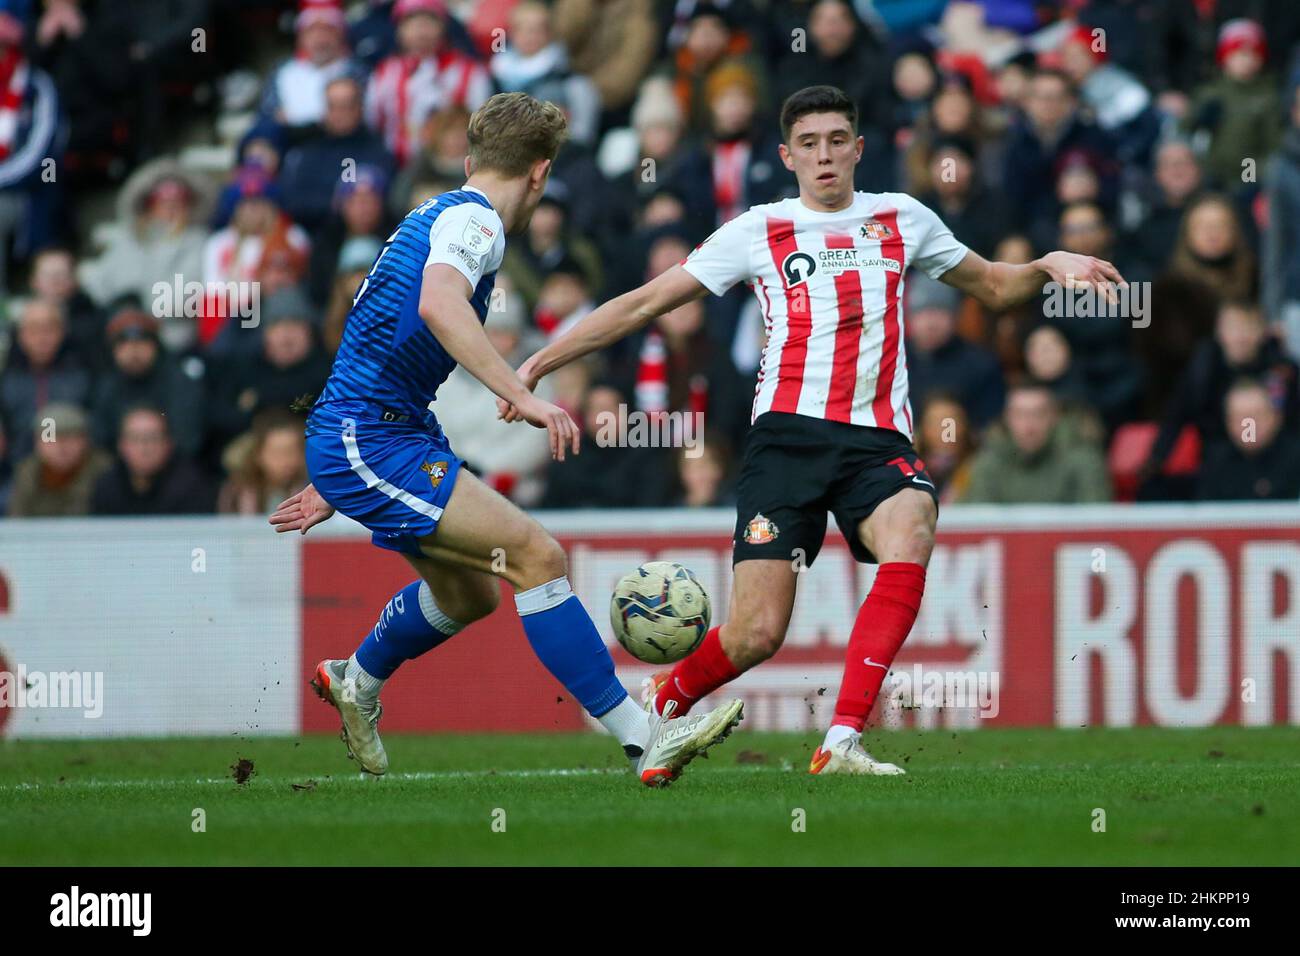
[477,236]
[474,260]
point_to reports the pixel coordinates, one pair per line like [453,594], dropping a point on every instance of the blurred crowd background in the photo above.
[169,168]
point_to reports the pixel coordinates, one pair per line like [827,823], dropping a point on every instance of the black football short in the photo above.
[797,469]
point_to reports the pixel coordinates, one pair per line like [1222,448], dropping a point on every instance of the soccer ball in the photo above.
[660,612]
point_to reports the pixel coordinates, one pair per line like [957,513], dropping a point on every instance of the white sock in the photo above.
[367,685]
[628,723]
[837,734]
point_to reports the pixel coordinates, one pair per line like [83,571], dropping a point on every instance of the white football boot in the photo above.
[360,717]
[847,756]
[675,742]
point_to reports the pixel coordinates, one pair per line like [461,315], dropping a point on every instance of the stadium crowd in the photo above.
[166,314]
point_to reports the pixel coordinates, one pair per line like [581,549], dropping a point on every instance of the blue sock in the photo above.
[409,625]
[565,640]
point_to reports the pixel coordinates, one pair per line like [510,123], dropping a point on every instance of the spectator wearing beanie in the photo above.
[736,164]
[263,146]
[355,260]
[244,252]
[1237,116]
[290,365]
[637,160]
[425,75]
[295,94]
[142,373]
[359,211]
[57,479]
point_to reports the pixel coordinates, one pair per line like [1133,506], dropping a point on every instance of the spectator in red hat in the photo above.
[1237,117]
[425,75]
[295,94]
[1119,102]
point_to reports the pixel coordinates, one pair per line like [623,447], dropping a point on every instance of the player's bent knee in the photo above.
[541,559]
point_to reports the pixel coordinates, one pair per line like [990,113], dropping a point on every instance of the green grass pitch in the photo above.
[1206,797]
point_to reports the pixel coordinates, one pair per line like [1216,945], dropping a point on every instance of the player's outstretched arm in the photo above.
[445,308]
[1000,285]
[616,319]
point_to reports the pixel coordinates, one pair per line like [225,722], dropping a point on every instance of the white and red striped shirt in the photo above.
[830,285]
[405,90]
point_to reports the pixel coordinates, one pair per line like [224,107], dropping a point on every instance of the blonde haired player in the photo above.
[376,453]
[831,422]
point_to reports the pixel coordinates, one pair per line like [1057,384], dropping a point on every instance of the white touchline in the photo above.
[324,779]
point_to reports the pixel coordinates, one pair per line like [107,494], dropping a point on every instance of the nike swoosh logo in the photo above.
[922,481]
[870,663]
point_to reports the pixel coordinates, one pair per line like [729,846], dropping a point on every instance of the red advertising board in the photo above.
[1112,616]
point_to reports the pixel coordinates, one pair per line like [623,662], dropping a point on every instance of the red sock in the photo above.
[883,623]
[697,675]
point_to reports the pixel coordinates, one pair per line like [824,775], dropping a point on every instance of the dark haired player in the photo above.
[831,422]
